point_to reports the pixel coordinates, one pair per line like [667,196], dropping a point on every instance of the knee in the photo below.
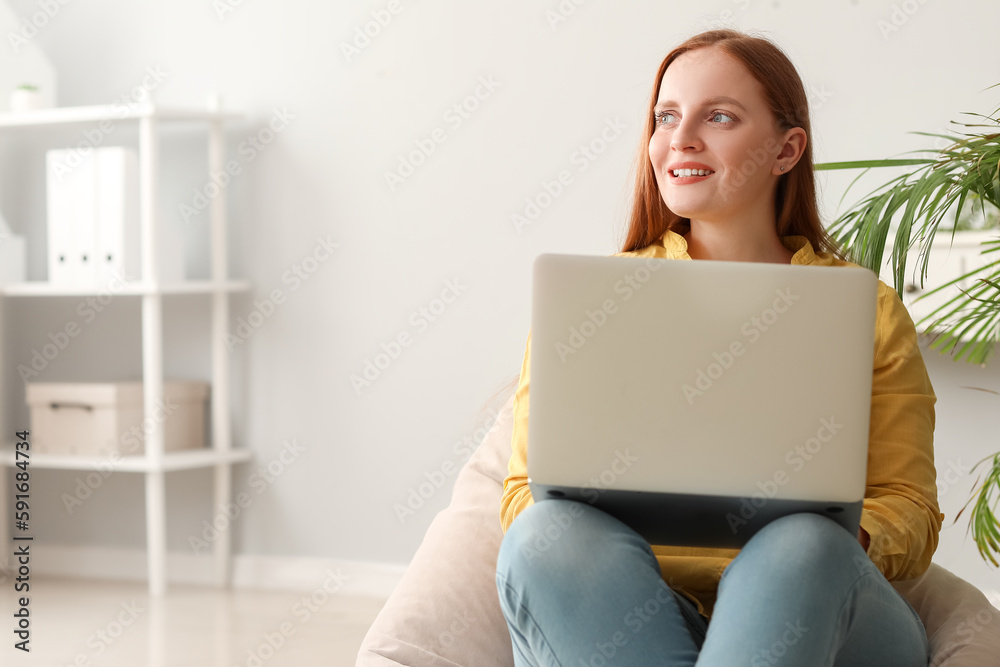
[804,544]
[805,527]
[811,534]
[549,537]
[536,543]
[542,529]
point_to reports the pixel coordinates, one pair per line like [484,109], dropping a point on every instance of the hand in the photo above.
[864,538]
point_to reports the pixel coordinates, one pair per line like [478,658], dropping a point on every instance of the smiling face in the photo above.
[716,149]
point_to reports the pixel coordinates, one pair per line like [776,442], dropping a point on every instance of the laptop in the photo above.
[697,401]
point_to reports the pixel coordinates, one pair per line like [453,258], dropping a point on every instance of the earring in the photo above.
[782,168]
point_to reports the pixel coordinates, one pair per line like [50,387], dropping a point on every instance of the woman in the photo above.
[726,173]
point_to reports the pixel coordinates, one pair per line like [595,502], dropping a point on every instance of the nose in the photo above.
[685,136]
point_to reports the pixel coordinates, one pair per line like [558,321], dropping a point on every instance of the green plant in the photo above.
[983,521]
[27,86]
[972,219]
[945,186]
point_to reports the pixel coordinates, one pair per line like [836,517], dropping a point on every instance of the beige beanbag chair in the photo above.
[446,612]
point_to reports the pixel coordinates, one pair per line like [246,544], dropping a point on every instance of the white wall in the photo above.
[323,176]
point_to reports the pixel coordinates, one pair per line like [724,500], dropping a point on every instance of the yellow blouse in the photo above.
[900,512]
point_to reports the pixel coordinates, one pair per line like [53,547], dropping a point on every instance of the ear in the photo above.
[793,145]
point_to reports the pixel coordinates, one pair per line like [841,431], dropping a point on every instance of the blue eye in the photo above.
[661,117]
[718,114]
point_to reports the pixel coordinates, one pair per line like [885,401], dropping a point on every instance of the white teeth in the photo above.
[691,172]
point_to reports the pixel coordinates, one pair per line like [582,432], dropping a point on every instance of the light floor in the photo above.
[87,623]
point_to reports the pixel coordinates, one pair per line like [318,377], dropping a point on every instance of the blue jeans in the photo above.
[581,589]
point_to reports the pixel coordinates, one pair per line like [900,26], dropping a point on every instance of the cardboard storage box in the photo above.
[101,419]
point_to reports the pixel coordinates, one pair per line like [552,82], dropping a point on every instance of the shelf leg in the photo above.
[223,546]
[156,532]
[156,507]
[152,360]
[221,434]
[157,640]
[5,436]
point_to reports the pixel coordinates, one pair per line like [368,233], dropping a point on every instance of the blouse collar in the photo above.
[675,247]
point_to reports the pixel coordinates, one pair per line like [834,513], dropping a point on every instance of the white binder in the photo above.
[118,215]
[73,216]
[93,220]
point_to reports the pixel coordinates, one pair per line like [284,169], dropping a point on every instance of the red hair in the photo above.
[794,198]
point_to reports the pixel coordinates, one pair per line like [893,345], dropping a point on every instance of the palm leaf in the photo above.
[984,525]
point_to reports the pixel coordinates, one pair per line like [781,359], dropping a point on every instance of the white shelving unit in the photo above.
[155,462]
